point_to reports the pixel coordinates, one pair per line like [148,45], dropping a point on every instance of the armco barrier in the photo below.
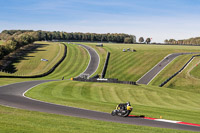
[105,81]
[161,85]
[105,65]
[46,73]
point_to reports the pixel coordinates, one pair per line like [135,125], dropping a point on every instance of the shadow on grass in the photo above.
[19,55]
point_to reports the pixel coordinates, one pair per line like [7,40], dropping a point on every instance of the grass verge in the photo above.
[196,69]
[147,100]
[21,121]
[185,80]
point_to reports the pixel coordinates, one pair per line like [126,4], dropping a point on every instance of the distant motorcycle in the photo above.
[123,109]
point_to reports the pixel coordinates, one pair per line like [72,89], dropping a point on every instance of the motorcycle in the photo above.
[123,109]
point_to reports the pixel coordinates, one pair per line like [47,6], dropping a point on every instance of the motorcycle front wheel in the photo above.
[126,114]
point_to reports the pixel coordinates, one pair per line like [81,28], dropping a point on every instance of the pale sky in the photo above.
[157,19]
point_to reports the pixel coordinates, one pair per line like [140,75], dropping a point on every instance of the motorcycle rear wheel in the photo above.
[113,113]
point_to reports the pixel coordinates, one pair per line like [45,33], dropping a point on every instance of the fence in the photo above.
[161,85]
[105,81]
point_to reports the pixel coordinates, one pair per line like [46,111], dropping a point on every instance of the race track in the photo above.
[150,75]
[94,61]
[13,96]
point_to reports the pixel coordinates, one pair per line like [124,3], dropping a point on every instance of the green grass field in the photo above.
[195,72]
[22,121]
[146,100]
[133,65]
[74,64]
[31,63]
[187,80]
[177,100]
[76,56]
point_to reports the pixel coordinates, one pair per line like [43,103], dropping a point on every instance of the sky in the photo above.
[157,19]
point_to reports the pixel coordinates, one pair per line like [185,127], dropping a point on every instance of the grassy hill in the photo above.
[30,62]
[195,72]
[188,79]
[170,69]
[133,65]
[76,56]
[177,102]
[146,100]
[75,63]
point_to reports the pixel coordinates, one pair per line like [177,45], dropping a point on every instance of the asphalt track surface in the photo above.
[13,96]
[150,75]
[94,61]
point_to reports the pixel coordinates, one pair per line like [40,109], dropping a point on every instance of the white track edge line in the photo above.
[169,121]
[53,103]
[187,65]
[90,60]
[88,63]
[98,60]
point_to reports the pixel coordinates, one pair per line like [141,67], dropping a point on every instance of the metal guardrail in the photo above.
[104,81]
[162,84]
[105,65]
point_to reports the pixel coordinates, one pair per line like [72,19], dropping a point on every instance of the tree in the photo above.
[128,40]
[166,41]
[148,40]
[141,39]
[172,41]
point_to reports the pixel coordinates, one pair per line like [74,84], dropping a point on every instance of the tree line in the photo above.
[190,41]
[77,36]
[15,39]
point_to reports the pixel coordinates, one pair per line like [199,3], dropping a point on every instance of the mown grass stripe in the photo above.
[76,56]
[148,100]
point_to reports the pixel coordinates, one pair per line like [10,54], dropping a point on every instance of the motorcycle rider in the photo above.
[128,104]
[123,109]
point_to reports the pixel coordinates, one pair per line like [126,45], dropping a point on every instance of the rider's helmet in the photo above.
[128,104]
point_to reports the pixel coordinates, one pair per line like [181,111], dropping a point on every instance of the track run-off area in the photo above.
[13,96]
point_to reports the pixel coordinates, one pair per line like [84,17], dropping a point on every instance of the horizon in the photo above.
[156,19]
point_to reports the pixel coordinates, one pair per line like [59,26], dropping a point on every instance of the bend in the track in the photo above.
[93,63]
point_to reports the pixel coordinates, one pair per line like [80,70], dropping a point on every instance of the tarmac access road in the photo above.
[150,75]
